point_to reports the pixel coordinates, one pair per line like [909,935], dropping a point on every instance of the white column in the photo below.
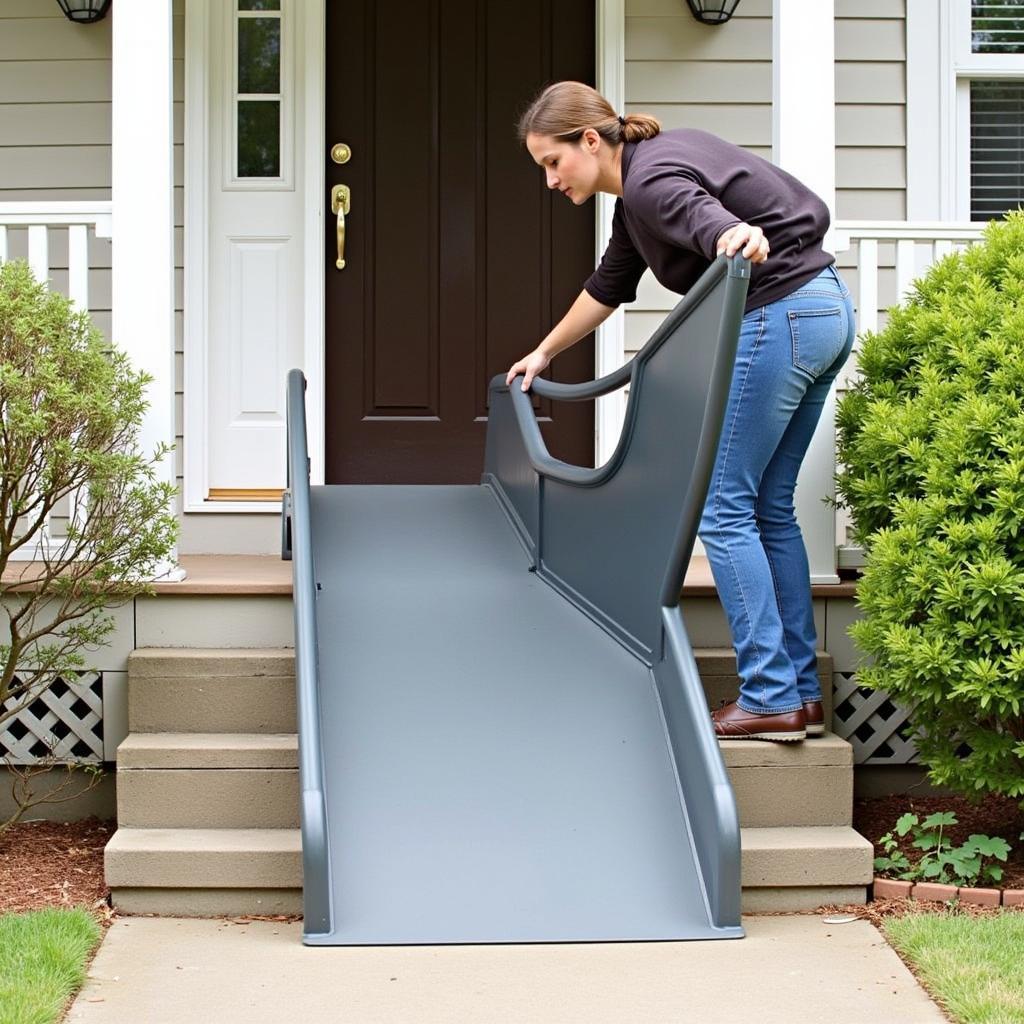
[142,180]
[611,335]
[804,143]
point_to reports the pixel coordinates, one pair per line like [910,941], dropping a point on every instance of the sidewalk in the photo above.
[791,970]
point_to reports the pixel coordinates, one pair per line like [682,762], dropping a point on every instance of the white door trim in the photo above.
[196,481]
[315,184]
[194,427]
[610,348]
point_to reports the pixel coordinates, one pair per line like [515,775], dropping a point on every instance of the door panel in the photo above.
[457,259]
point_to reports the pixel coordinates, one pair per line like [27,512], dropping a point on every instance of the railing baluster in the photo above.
[39,252]
[3,243]
[867,291]
[78,265]
[904,267]
[943,247]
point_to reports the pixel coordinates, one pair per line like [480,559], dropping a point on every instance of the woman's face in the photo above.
[571,167]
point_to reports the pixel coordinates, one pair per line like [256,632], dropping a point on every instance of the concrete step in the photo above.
[233,780]
[253,689]
[213,690]
[197,872]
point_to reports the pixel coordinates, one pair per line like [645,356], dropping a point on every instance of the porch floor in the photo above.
[268,575]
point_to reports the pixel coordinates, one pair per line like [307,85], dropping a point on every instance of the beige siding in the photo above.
[55,145]
[720,79]
[871,128]
[55,135]
[690,75]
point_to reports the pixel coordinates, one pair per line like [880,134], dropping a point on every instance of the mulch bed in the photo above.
[993,816]
[60,864]
[55,864]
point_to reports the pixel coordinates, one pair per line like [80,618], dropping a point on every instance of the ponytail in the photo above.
[566,109]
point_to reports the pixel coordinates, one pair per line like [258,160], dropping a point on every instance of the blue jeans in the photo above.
[788,356]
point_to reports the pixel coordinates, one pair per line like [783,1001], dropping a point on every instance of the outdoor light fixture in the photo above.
[713,12]
[84,11]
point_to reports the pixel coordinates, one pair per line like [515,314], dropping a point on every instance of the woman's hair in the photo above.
[566,109]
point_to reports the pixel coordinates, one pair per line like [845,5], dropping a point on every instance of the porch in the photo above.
[126,261]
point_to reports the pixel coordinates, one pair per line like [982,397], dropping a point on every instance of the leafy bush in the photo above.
[70,413]
[932,444]
[940,861]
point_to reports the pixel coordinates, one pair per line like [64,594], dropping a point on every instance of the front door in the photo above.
[457,260]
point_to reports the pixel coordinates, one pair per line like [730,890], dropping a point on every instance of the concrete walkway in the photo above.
[796,970]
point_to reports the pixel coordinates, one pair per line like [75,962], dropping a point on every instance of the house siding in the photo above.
[55,140]
[55,144]
[720,79]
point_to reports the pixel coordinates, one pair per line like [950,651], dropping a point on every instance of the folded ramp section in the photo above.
[494,754]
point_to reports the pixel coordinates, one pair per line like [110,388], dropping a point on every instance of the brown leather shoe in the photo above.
[814,714]
[733,723]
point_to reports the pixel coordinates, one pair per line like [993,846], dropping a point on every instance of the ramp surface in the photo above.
[496,766]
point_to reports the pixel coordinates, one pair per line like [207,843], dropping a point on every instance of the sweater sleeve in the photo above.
[621,267]
[675,207]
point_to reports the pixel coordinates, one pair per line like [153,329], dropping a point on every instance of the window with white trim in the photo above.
[988,42]
[258,89]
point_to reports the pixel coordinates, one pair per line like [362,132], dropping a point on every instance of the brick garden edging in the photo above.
[891,888]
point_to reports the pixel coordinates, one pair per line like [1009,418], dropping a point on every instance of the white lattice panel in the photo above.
[878,729]
[67,718]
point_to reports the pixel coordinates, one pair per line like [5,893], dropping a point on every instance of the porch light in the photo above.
[713,12]
[84,11]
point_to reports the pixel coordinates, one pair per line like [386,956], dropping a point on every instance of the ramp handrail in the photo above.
[298,545]
[523,471]
[615,540]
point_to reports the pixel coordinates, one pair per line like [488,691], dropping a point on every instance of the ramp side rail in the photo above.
[297,545]
[615,540]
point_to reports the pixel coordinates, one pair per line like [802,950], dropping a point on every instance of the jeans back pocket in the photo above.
[818,336]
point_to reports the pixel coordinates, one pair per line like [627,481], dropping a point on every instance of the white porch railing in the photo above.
[917,245]
[37,221]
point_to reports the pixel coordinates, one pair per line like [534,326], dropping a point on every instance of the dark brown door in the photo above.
[457,258]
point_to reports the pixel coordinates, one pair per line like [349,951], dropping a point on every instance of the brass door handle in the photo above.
[341,203]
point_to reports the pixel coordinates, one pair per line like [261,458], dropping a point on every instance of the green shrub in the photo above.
[932,444]
[71,410]
[940,860]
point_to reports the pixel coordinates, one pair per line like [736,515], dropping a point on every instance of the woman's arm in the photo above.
[584,315]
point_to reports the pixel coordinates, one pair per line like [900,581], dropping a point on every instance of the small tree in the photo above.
[70,412]
[932,441]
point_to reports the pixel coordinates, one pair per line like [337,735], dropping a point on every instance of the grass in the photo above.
[42,962]
[970,965]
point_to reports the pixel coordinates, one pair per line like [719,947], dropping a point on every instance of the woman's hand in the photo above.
[746,237]
[530,365]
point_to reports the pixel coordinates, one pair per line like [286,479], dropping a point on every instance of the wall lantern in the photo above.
[84,11]
[713,12]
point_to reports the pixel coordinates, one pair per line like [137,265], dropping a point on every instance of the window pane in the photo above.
[997,152]
[997,26]
[259,5]
[259,139]
[259,55]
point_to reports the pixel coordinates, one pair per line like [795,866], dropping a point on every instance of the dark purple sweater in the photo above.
[680,191]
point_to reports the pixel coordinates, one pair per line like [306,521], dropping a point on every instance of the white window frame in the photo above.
[940,67]
[285,181]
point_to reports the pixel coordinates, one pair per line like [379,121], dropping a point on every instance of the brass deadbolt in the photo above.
[340,153]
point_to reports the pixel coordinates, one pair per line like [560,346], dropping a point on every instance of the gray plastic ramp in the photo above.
[502,732]
[498,766]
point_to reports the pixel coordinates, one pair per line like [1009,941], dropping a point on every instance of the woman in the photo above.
[684,197]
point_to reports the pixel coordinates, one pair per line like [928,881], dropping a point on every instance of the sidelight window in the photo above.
[258,90]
